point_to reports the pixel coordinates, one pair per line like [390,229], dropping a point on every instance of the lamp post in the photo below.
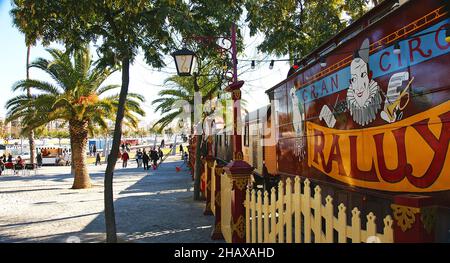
[184,60]
[238,170]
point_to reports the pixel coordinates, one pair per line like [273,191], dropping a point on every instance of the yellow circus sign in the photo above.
[411,155]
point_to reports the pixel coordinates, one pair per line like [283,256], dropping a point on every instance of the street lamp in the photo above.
[184,60]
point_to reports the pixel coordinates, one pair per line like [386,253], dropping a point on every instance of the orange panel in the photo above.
[270,156]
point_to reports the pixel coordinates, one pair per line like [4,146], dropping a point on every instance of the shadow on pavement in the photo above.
[157,208]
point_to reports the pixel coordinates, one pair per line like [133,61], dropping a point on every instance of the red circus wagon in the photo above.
[367,117]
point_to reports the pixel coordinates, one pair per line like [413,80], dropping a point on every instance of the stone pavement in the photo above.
[150,206]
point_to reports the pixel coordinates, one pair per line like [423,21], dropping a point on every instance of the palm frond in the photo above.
[104,89]
[166,120]
[77,94]
[36,84]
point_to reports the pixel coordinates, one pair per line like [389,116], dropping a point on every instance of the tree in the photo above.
[356,8]
[178,88]
[204,21]
[31,37]
[124,27]
[140,132]
[41,132]
[78,98]
[299,26]
[60,134]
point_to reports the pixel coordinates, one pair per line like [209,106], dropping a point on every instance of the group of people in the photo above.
[125,147]
[143,158]
[63,159]
[19,163]
[92,150]
[7,159]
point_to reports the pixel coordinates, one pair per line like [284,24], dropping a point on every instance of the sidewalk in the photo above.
[150,206]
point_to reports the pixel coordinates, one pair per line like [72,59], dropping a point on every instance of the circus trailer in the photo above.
[367,116]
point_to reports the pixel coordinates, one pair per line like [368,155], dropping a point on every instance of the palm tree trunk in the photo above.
[110,220]
[31,134]
[78,137]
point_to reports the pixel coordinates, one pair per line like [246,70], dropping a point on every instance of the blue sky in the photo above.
[143,79]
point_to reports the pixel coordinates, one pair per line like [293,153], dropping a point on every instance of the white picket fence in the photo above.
[298,217]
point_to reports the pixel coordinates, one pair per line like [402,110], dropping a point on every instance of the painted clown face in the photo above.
[363,94]
[359,81]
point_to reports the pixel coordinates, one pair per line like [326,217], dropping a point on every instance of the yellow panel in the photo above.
[411,155]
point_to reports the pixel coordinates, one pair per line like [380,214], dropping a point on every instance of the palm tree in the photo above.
[183,89]
[30,40]
[77,97]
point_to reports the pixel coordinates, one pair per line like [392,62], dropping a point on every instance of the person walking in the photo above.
[39,159]
[181,149]
[94,150]
[125,158]
[185,158]
[154,157]
[160,154]
[139,158]
[98,160]
[66,159]
[145,159]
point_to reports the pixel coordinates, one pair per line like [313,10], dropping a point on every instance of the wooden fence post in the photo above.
[266,217]
[306,208]
[317,205]
[273,217]
[288,216]
[297,209]
[280,209]
[414,219]
[253,216]
[217,230]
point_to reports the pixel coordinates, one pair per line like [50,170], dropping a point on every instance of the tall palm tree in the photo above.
[30,40]
[77,97]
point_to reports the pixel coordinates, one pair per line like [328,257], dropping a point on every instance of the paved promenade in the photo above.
[150,206]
